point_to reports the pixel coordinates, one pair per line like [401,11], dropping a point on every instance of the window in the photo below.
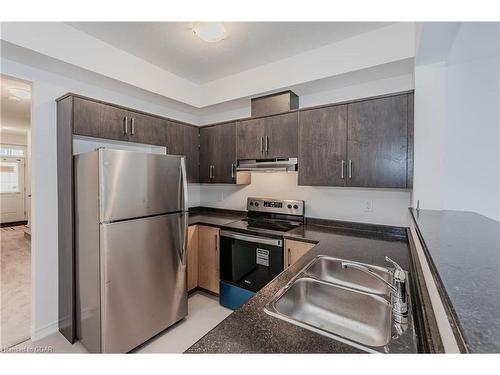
[8,150]
[9,177]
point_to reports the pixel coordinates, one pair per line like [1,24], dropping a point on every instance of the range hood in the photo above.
[268,165]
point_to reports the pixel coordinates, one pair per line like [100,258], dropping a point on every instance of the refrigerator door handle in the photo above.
[185,226]
[185,214]
[183,181]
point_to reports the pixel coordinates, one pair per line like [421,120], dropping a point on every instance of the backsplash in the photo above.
[377,206]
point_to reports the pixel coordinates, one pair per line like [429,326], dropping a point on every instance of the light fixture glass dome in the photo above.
[210,31]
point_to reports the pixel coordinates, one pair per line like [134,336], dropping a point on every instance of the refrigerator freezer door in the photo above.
[135,184]
[144,279]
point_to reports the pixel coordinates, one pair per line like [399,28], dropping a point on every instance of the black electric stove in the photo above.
[270,217]
[251,250]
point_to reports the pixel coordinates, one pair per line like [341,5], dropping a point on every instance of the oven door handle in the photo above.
[249,238]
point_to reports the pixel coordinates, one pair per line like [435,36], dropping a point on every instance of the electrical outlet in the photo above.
[368,206]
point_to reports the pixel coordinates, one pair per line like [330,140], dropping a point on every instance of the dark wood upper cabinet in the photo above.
[281,135]
[409,168]
[207,149]
[141,127]
[323,146]
[268,137]
[174,137]
[377,142]
[115,123]
[87,117]
[250,139]
[225,154]
[218,153]
[191,141]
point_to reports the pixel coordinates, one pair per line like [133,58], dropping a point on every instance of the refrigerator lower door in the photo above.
[143,279]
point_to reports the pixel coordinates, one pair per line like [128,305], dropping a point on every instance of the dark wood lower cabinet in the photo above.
[322,146]
[377,142]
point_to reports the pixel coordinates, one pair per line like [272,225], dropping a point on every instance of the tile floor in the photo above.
[204,314]
[15,286]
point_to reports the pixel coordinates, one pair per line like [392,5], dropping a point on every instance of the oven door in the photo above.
[249,261]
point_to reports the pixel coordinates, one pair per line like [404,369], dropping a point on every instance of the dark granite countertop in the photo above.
[463,251]
[250,330]
[214,217]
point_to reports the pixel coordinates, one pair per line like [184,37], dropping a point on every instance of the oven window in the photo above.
[249,265]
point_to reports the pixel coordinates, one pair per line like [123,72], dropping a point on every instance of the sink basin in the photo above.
[336,311]
[330,269]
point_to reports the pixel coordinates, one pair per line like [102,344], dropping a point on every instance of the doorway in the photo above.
[15,201]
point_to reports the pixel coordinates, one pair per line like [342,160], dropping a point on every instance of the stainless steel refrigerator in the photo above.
[131,235]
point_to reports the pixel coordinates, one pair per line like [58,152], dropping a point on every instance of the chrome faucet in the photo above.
[398,295]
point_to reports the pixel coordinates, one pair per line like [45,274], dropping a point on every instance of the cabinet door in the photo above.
[224,154]
[411,114]
[208,258]
[281,135]
[87,117]
[142,127]
[250,139]
[208,146]
[377,142]
[159,132]
[192,257]
[322,146]
[192,153]
[175,138]
[294,250]
[115,123]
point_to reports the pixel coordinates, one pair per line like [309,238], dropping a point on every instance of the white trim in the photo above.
[45,331]
[445,331]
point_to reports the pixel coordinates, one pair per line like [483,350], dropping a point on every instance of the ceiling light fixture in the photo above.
[20,93]
[210,31]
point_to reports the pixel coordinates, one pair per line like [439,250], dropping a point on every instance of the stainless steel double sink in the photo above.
[342,303]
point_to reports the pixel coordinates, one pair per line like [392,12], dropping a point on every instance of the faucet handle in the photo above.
[399,273]
[397,266]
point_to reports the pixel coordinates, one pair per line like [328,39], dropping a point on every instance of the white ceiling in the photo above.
[15,115]
[173,46]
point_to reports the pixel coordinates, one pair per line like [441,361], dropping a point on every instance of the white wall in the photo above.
[46,88]
[429,128]
[389,207]
[457,124]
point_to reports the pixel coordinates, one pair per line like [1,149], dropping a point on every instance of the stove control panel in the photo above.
[279,206]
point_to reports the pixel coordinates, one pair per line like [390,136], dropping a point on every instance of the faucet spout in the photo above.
[368,271]
[398,295]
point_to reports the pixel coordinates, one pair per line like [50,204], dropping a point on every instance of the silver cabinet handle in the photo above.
[211,171]
[261,144]
[342,165]
[350,168]
[267,143]
[288,260]
[125,125]
[132,126]
[233,166]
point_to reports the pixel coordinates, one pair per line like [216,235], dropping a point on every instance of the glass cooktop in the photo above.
[268,224]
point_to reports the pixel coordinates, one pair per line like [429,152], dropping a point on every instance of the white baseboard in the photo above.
[47,330]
